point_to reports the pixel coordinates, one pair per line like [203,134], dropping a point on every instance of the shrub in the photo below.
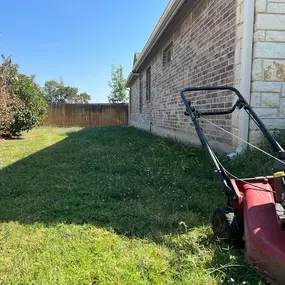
[22,105]
[8,100]
[33,108]
[6,106]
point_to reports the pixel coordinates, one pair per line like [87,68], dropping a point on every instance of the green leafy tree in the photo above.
[57,92]
[67,94]
[50,91]
[83,98]
[117,84]
[33,107]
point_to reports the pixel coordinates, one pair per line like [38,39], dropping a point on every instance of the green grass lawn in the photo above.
[111,206]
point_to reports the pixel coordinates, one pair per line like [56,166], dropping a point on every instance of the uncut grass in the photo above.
[110,206]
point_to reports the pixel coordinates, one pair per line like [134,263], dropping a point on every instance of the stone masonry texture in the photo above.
[268,69]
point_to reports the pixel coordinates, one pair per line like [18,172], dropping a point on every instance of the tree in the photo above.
[33,107]
[117,84]
[83,98]
[50,91]
[67,94]
[57,92]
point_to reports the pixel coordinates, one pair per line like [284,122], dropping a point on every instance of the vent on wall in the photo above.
[168,54]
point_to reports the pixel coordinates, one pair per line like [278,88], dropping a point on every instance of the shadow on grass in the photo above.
[122,178]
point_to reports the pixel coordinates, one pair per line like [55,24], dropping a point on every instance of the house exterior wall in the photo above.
[268,69]
[236,116]
[203,54]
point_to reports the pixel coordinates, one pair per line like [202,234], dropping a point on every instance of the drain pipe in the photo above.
[246,68]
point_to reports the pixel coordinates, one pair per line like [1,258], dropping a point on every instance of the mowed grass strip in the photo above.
[110,205]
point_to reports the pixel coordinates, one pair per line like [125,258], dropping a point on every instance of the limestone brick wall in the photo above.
[268,69]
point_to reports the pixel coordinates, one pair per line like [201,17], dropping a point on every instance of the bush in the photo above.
[33,108]
[22,105]
[8,100]
[7,104]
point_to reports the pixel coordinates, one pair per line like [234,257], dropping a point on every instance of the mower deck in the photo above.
[263,229]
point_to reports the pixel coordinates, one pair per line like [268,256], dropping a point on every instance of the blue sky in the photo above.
[76,40]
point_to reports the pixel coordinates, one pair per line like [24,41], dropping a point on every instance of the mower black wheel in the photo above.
[227,228]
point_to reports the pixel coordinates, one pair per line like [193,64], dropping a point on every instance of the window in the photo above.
[141,94]
[168,54]
[148,84]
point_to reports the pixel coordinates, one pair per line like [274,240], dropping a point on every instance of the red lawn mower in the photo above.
[255,213]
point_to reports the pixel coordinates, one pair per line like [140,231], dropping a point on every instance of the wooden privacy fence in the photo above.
[86,115]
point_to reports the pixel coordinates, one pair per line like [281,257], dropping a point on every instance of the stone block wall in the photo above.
[268,69]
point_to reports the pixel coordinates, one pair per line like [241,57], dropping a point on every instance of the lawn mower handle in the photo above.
[191,111]
[240,103]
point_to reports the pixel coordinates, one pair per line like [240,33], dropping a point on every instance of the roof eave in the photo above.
[130,78]
[168,14]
